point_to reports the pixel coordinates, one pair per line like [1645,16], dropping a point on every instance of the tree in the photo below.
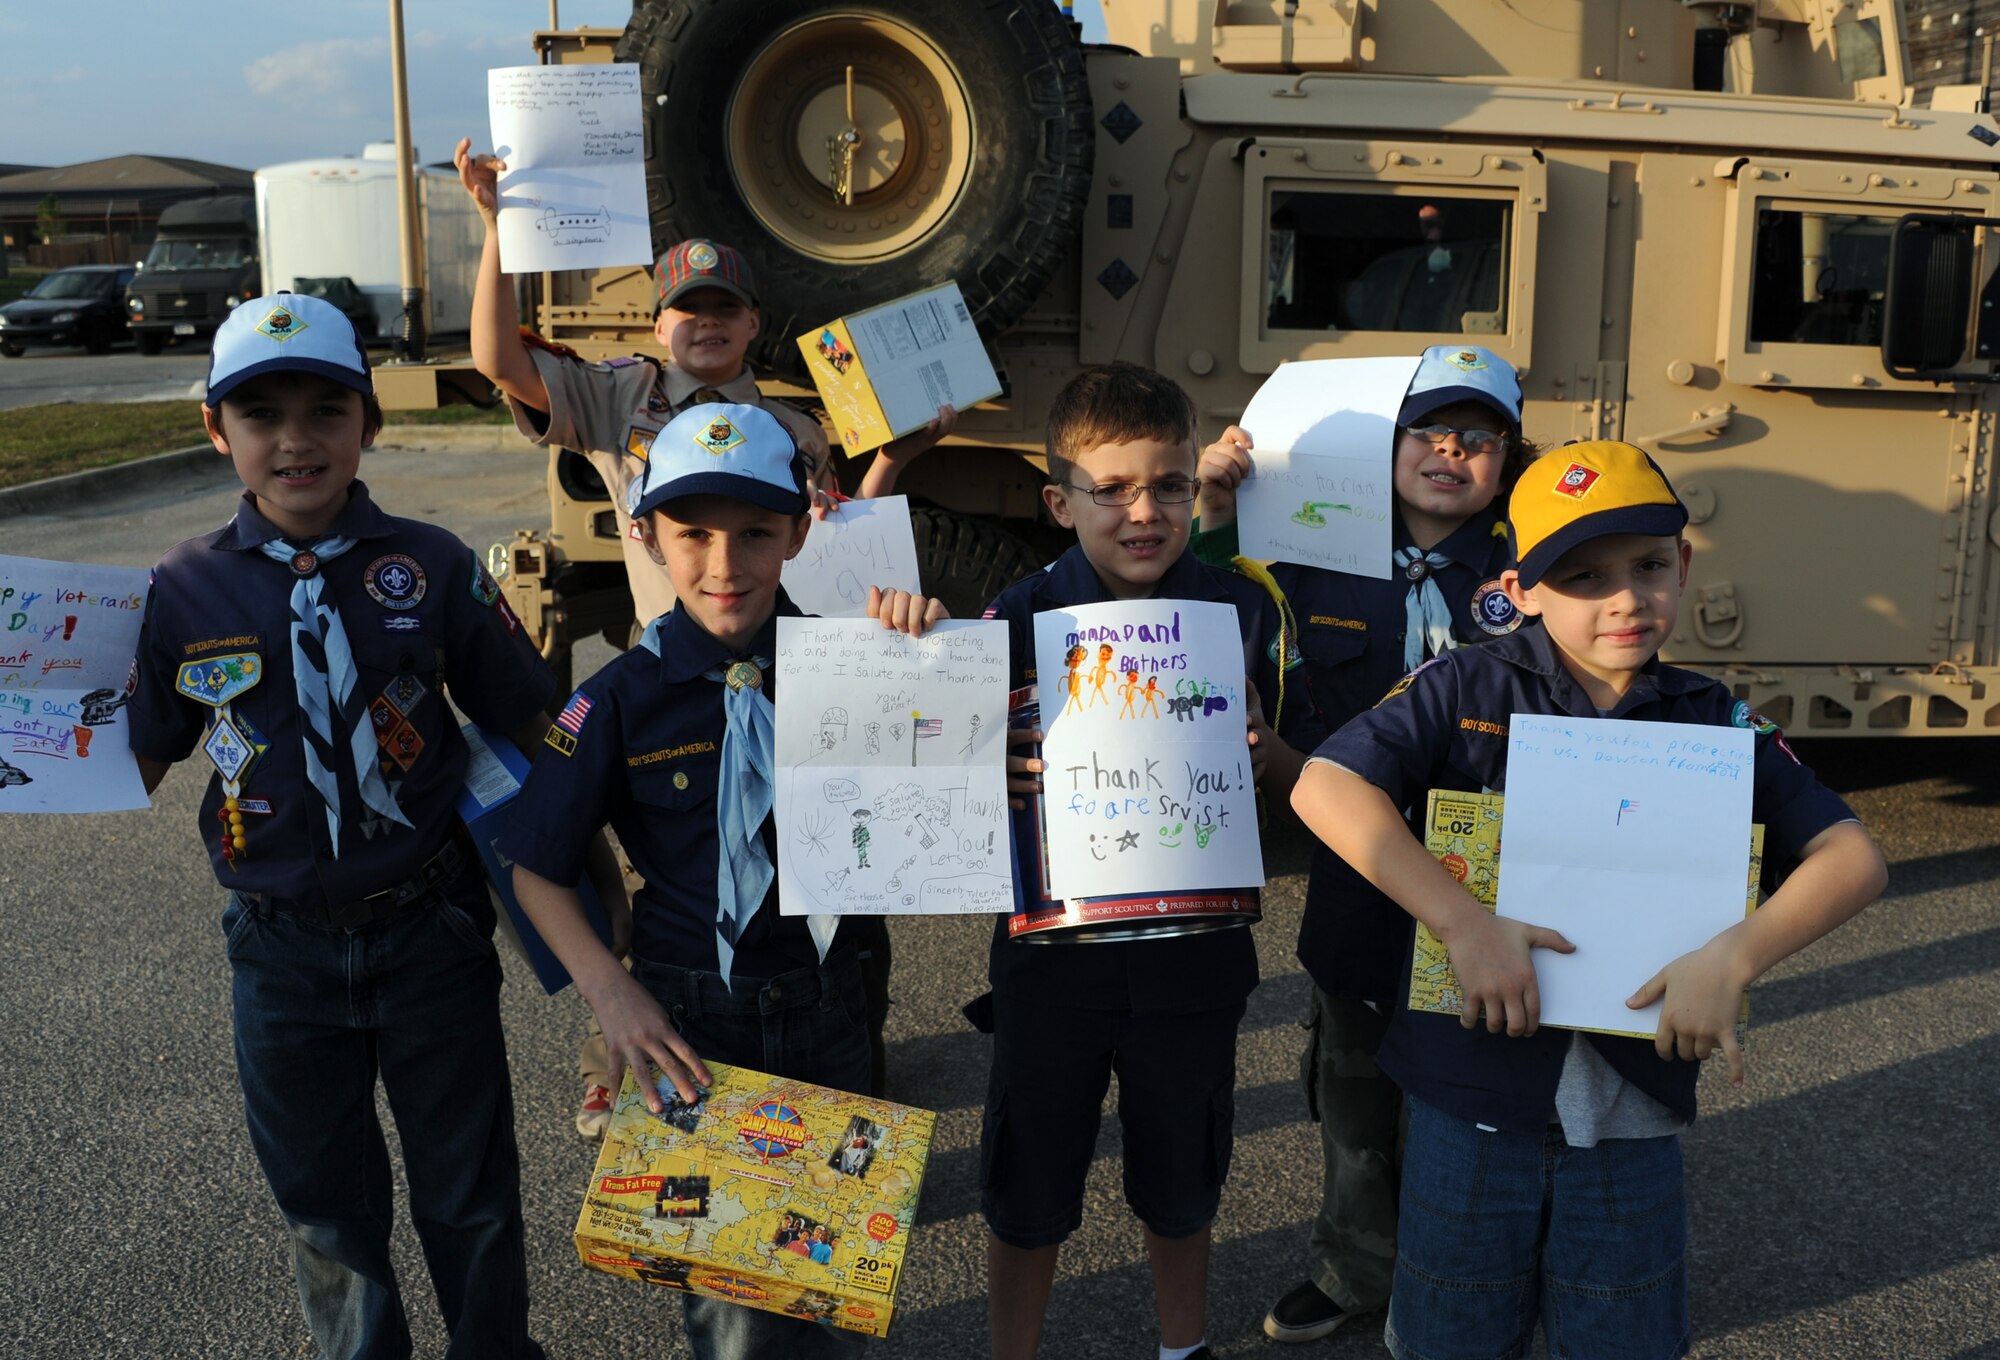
[48,219]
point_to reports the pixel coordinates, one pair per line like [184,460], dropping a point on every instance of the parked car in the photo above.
[84,306]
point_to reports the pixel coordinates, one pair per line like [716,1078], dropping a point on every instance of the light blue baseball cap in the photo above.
[286,332]
[1448,374]
[721,449]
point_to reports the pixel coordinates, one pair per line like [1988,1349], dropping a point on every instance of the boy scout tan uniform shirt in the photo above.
[610,411]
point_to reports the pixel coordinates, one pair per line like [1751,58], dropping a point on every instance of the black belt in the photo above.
[377,906]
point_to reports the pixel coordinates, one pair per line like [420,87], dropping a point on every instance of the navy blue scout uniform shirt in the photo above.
[646,757]
[1447,729]
[1353,938]
[1170,973]
[218,598]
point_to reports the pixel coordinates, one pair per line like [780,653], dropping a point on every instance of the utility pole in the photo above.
[410,339]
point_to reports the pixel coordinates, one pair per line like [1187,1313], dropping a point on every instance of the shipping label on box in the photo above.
[884,372]
[767,1192]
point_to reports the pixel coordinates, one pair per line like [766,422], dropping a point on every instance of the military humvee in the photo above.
[1719,230]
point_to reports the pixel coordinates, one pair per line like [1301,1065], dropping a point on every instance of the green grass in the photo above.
[49,441]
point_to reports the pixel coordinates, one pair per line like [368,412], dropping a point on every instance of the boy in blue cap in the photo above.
[1458,448]
[1542,1176]
[305,647]
[671,744]
[706,316]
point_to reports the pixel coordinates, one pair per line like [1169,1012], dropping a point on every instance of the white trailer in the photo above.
[336,217]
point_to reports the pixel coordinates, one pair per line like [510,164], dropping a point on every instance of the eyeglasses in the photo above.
[1472,441]
[1172,491]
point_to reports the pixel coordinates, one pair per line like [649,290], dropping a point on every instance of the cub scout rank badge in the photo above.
[280,324]
[390,713]
[1576,481]
[220,678]
[719,436]
[1493,611]
[394,581]
[228,750]
[639,442]
[1293,657]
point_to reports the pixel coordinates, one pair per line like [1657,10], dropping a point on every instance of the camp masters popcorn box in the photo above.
[885,371]
[771,1193]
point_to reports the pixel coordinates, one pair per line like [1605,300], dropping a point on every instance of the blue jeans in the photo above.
[1500,1230]
[810,1024]
[321,1012]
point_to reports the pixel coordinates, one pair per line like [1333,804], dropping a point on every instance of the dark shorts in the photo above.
[1176,1102]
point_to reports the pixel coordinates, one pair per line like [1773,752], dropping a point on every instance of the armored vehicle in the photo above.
[1723,231]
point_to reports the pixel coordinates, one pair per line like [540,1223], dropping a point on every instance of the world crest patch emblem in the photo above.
[719,436]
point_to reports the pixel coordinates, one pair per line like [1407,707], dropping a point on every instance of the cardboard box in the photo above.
[494,772]
[770,1193]
[1462,832]
[884,372]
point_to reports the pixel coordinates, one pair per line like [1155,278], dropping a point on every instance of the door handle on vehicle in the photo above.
[1713,421]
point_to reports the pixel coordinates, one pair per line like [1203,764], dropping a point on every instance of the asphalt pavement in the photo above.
[40,376]
[1844,1203]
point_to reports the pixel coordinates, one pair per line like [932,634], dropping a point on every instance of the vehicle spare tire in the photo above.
[967,560]
[971,159]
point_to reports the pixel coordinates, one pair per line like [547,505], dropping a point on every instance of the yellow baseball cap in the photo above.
[1578,492]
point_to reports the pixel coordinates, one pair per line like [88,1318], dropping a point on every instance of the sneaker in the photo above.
[1305,1314]
[595,1112]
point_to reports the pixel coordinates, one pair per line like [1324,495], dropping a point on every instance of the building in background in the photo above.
[102,212]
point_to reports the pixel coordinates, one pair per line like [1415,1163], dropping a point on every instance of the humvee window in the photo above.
[1818,278]
[1387,262]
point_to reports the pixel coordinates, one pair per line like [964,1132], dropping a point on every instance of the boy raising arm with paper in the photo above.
[1543,1172]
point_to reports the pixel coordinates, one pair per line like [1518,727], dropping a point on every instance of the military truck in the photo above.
[1722,231]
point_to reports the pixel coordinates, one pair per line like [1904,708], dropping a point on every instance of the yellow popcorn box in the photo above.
[766,1192]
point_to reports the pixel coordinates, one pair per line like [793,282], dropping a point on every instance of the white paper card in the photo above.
[1633,840]
[859,544]
[68,633]
[891,769]
[573,195]
[1148,784]
[1319,491]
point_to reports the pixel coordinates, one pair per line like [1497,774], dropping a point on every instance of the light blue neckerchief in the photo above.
[744,797]
[1427,630]
[323,675]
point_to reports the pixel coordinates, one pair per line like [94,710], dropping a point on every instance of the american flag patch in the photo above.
[930,727]
[573,714]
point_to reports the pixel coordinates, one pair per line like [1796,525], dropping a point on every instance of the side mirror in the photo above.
[1927,307]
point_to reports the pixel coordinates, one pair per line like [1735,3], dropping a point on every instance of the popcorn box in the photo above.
[767,1192]
[884,372]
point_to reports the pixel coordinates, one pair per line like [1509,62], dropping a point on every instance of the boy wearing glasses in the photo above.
[1458,449]
[1069,1008]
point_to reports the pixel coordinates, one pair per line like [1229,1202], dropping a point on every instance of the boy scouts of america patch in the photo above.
[1576,481]
[1493,611]
[701,255]
[394,581]
[280,325]
[719,436]
[1468,360]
